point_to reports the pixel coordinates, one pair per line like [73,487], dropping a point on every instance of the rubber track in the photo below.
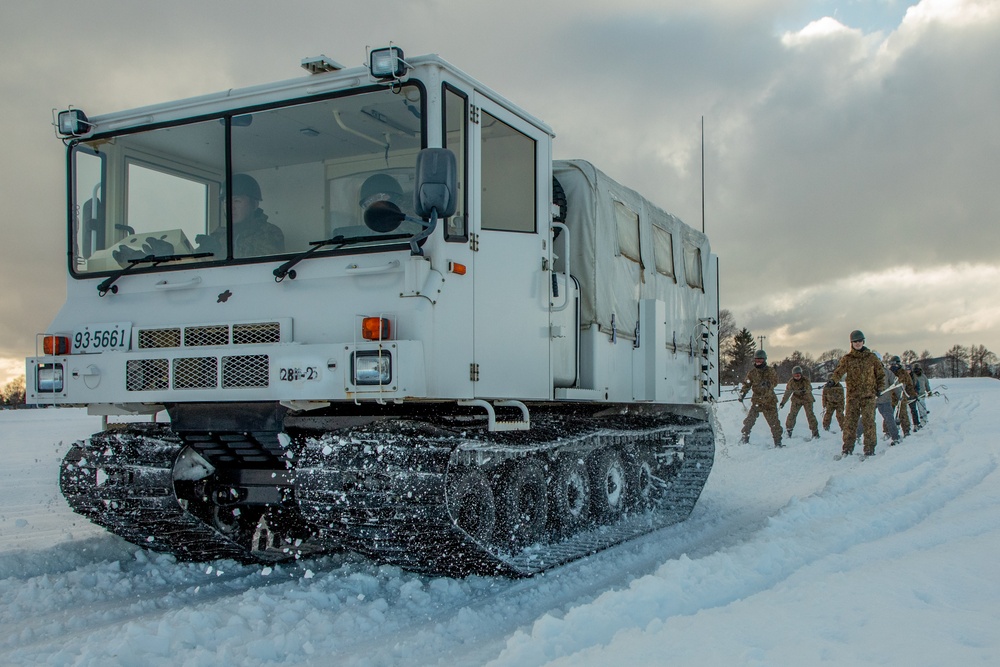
[122,481]
[399,514]
[383,495]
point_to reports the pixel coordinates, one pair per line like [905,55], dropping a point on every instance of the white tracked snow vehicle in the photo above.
[420,339]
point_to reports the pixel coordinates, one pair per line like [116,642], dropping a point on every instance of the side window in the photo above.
[89,215]
[692,266]
[508,177]
[159,200]
[455,115]
[627,222]
[663,252]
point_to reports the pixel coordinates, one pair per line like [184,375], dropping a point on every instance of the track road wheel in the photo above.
[522,503]
[642,483]
[609,485]
[569,495]
[471,504]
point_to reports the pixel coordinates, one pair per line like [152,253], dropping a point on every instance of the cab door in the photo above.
[510,184]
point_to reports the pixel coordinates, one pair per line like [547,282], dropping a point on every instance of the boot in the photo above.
[815,434]
[745,440]
[789,432]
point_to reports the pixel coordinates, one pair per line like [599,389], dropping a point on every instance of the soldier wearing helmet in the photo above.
[381,199]
[865,378]
[833,404]
[761,379]
[799,391]
[253,235]
[907,402]
[923,386]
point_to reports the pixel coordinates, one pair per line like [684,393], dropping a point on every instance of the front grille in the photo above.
[218,335]
[202,336]
[152,338]
[147,375]
[196,373]
[247,371]
[253,334]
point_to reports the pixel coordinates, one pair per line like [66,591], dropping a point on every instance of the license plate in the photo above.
[298,374]
[102,337]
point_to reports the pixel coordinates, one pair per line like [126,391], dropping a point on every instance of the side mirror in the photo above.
[437,183]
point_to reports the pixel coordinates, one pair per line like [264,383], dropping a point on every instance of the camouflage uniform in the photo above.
[865,376]
[909,393]
[801,397]
[833,403]
[253,238]
[762,381]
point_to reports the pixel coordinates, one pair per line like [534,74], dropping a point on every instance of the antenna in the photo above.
[702,174]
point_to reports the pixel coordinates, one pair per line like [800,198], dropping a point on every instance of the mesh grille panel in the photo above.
[147,375]
[201,336]
[196,373]
[246,371]
[151,338]
[251,334]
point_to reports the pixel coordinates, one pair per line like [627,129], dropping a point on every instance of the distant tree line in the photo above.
[12,394]
[738,345]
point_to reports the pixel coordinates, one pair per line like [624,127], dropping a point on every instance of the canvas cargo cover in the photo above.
[612,282]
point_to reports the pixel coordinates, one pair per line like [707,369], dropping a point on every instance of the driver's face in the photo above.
[243,206]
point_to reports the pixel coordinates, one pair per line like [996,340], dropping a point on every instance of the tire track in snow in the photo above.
[868,502]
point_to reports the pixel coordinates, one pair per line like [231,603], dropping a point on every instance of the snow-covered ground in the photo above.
[790,558]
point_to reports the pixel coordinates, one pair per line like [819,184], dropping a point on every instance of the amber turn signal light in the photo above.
[375,328]
[55,345]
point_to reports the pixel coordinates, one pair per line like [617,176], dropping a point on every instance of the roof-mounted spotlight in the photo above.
[320,64]
[387,64]
[73,123]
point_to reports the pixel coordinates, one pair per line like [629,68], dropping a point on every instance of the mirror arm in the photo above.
[428,229]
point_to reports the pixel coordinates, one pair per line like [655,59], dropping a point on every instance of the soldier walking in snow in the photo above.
[799,389]
[761,379]
[923,386]
[865,378]
[833,403]
[884,403]
[909,395]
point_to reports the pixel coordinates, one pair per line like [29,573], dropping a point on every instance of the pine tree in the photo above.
[743,349]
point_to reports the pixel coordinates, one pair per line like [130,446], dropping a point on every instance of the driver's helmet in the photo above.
[244,185]
[380,187]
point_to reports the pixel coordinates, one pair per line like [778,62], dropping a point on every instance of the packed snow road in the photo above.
[789,557]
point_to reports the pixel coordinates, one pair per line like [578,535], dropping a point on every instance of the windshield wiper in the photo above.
[109,282]
[339,241]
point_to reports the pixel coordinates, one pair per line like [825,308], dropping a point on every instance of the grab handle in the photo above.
[187,284]
[382,268]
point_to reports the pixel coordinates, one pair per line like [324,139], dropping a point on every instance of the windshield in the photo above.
[299,174]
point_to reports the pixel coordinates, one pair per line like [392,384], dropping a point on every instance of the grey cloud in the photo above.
[823,161]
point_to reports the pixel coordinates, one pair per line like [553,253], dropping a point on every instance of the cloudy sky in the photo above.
[852,147]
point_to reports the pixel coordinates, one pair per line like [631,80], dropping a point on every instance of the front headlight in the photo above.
[49,378]
[372,367]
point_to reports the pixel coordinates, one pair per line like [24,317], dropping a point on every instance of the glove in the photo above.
[742,396]
[158,247]
[831,383]
[782,405]
[207,243]
[124,254]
